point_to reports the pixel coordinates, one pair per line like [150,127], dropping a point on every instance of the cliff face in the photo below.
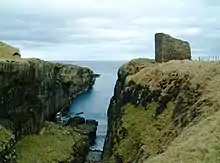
[33,91]
[168,48]
[154,105]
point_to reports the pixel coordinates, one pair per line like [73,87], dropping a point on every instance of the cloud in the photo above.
[106,29]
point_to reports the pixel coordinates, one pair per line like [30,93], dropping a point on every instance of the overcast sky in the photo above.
[107,29]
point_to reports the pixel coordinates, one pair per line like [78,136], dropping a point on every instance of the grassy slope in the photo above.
[151,135]
[7,51]
[54,144]
[196,144]
[199,143]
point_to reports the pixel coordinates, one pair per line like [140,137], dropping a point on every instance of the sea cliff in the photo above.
[32,92]
[164,111]
[154,103]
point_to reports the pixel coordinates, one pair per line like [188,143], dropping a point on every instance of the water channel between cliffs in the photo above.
[94,103]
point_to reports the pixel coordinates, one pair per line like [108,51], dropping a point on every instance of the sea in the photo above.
[95,102]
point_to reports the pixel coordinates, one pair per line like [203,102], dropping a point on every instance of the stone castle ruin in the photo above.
[169,48]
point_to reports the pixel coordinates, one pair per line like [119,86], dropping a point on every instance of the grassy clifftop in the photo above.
[7,51]
[165,112]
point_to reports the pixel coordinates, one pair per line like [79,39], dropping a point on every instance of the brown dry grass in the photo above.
[196,144]
[7,50]
[199,72]
[199,141]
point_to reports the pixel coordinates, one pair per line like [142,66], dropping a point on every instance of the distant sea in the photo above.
[95,103]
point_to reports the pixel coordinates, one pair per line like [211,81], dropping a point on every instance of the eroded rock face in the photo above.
[87,127]
[116,132]
[33,91]
[169,48]
[7,51]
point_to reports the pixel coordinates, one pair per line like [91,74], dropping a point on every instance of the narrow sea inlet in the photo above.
[94,103]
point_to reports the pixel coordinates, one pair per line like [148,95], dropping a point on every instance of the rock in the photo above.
[96,75]
[87,127]
[94,156]
[7,51]
[79,113]
[88,130]
[91,122]
[168,48]
[93,79]
[75,121]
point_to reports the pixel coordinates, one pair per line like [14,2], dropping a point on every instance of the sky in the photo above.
[107,29]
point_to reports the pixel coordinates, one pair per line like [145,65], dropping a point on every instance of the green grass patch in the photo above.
[144,130]
[54,144]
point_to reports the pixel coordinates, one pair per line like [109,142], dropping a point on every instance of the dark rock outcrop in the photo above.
[75,121]
[91,122]
[94,156]
[168,48]
[87,127]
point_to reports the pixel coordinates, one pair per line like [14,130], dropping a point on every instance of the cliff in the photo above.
[164,112]
[32,92]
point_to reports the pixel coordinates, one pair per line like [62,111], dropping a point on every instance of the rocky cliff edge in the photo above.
[32,92]
[164,112]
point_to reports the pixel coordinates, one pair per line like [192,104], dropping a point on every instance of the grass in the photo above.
[54,144]
[7,50]
[197,144]
[5,138]
[198,72]
[143,130]
[157,137]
